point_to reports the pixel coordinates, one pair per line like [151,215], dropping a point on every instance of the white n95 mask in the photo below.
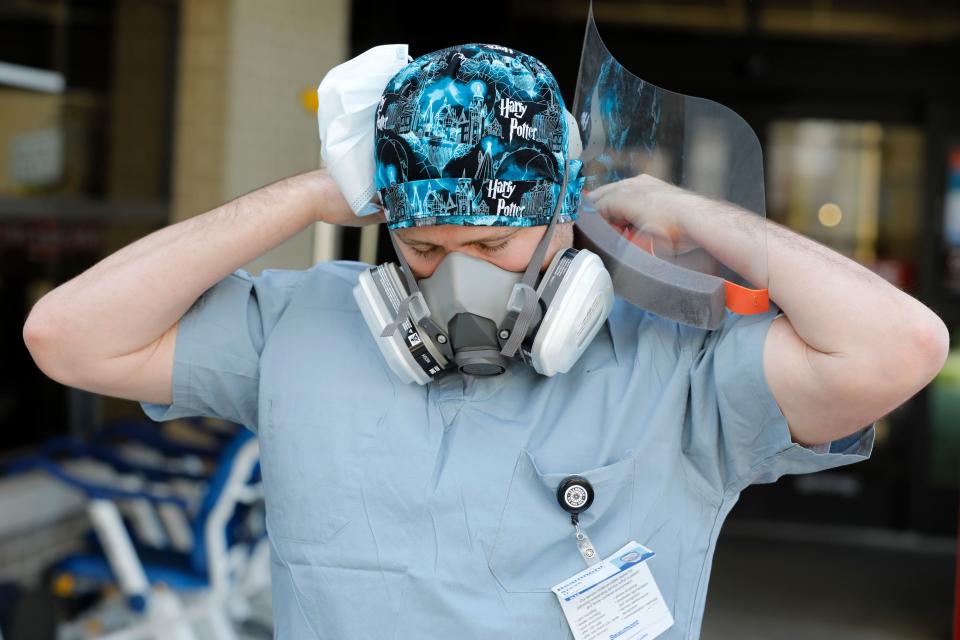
[456,319]
[347,101]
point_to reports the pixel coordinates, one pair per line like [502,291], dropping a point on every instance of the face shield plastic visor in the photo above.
[630,127]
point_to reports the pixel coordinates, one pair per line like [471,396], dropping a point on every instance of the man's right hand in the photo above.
[336,210]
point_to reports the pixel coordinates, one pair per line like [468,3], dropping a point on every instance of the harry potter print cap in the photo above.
[474,134]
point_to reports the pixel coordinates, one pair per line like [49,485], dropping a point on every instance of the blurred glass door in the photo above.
[856,187]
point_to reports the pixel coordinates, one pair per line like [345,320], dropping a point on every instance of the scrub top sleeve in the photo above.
[755,445]
[216,367]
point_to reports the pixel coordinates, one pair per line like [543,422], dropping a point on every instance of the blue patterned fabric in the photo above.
[474,135]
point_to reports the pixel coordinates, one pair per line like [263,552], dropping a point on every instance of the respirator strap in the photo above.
[415,305]
[524,301]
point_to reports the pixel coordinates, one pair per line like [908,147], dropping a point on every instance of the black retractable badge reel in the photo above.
[575,495]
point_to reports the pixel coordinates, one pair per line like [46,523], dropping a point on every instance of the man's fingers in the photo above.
[610,206]
[601,190]
[373,218]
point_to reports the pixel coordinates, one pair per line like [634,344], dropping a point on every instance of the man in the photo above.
[421,511]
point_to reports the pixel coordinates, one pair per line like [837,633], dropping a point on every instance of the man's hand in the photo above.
[334,209]
[851,348]
[638,207]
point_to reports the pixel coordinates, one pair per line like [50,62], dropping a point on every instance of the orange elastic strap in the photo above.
[746,301]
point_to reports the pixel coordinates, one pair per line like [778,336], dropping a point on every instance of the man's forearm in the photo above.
[851,348]
[834,304]
[129,299]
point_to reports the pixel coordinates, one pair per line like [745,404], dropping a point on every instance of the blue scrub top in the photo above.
[404,511]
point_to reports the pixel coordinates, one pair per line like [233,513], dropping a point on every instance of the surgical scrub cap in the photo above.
[474,134]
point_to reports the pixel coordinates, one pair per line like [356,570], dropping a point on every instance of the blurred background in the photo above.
[118,117]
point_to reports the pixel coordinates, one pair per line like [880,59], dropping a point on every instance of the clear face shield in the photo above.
[630,127]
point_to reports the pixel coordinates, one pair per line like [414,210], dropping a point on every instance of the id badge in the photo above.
[616,599]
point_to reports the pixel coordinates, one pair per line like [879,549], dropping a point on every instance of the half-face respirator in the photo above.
[466,312]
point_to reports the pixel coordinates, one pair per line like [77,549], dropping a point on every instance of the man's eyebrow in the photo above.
[514,231]
[494,238]
[412,241]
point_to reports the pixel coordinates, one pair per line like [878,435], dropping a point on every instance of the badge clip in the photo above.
[575,495]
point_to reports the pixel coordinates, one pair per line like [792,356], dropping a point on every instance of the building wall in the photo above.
[201,99]
[240,123]
[138,109]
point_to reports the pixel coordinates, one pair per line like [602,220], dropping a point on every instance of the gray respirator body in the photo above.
[468,311]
